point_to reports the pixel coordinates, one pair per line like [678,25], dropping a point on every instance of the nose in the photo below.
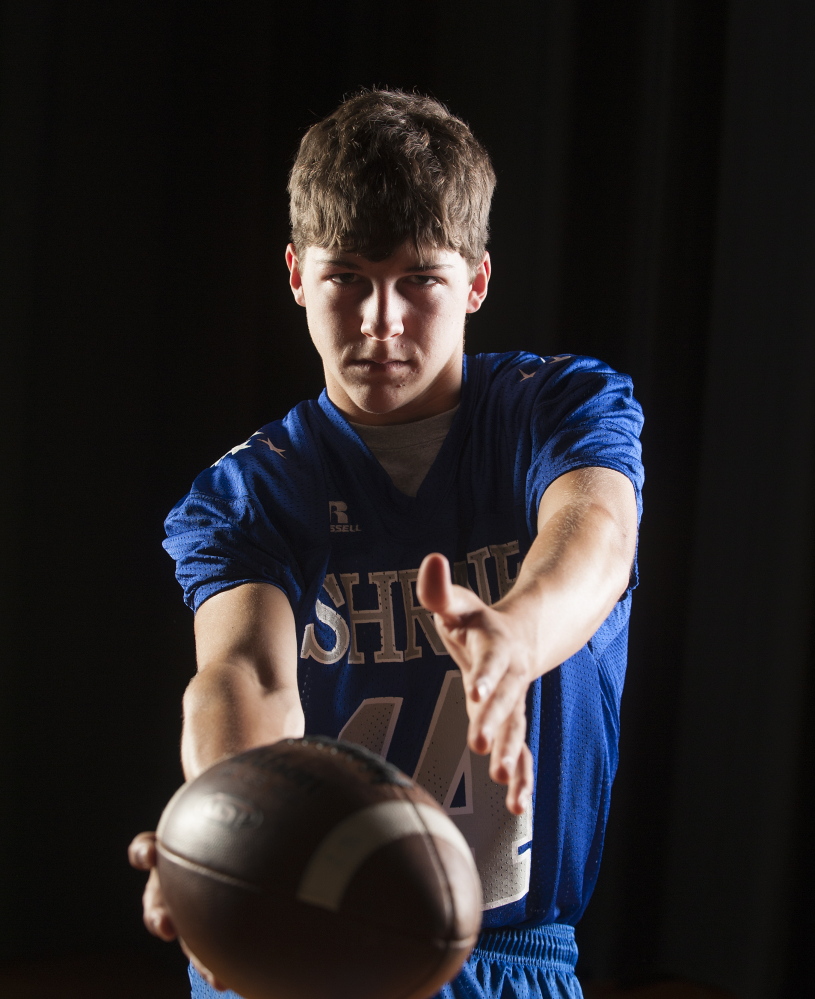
[382,317]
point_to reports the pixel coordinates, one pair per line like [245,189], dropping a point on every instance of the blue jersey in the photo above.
[305,506]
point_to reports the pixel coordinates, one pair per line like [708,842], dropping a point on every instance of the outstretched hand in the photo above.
[496,656]
[142,855]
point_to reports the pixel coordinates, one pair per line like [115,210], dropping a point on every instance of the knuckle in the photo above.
[516,668]
[517,718]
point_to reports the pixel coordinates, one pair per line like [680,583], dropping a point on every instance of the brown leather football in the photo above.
[313,869]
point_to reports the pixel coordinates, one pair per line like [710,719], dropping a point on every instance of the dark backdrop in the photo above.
[655,207]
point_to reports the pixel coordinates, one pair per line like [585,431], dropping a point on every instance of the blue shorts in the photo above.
[506,964]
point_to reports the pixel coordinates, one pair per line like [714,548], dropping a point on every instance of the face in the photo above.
[390,333]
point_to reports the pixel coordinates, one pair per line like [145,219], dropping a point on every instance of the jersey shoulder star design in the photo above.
[277,450]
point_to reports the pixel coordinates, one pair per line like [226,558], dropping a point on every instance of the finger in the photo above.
[482,730]
[155,913]
[507,748]
[437,593]
[205,973]
[519,794]
[508,683]
[488,666]
[142,851]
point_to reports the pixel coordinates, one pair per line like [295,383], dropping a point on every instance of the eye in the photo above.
[344,279]
[424,280]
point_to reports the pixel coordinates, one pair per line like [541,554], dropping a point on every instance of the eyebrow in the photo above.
[349,265]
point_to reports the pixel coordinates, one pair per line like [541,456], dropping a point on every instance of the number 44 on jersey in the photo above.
[459,780]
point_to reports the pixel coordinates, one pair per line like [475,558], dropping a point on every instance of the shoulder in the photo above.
[522,367]
[554,414]
[275,469]
[522,383]
[278,450]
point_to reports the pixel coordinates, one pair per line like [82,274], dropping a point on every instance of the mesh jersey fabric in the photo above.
[303,505]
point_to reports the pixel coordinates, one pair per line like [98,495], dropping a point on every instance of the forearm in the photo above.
[227,710]
[574,573]
[245,692]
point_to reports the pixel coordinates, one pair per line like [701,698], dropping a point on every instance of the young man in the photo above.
[433,559]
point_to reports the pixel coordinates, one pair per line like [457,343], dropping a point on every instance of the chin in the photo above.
[371,412]
[378,404]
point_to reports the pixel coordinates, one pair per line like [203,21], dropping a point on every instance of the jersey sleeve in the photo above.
[221,537]
[585,415]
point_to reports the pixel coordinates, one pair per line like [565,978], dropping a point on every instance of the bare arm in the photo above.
[579,564]
[243,695]
[575,571]
[245,692]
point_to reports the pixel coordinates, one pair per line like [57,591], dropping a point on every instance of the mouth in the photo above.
[385,365]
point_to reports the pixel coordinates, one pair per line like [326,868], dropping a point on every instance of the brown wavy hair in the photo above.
[389,167]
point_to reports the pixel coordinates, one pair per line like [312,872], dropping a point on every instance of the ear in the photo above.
[478,289]
[295,278]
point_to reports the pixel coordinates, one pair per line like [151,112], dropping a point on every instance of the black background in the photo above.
[655,207]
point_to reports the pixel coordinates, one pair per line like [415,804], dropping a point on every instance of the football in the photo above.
[314,869]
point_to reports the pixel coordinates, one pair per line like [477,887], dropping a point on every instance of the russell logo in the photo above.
[338,517]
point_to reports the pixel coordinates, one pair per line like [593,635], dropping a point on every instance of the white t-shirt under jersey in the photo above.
[407,450]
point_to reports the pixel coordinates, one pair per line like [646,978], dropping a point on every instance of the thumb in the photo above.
[142,851]
[436,591]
